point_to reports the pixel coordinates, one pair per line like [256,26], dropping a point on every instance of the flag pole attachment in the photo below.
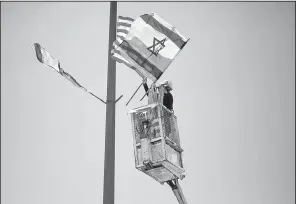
[134,94]
[109,163]
[147,91]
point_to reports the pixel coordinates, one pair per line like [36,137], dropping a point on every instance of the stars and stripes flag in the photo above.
[47,59]
[147,44]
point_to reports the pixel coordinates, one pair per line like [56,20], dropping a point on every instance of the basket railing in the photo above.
[157,115]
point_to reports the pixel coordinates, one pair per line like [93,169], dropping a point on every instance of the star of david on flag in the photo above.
[157,46]
[147,44]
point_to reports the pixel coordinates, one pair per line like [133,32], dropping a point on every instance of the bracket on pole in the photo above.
[118,99]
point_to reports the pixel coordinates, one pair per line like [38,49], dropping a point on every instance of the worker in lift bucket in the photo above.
[168,97]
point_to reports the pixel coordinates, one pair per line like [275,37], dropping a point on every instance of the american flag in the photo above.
[123,26]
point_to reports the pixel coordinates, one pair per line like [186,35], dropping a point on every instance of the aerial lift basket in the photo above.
[156,142]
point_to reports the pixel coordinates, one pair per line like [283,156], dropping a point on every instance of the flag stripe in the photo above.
[71,79]
[117,52]
[174,37]
[121,34]
[124,21]
[123,27]
[45,58]
[121,59]
[166,24]
[122,31]
[116,58]
[126,18]
[124,24]
[139,59]
[160,61]
[116,43]
[139,68]
[38,52]
[120,38]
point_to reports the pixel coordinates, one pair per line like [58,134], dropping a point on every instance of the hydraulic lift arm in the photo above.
[174,184]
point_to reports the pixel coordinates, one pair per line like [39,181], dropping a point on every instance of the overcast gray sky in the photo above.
[234,93]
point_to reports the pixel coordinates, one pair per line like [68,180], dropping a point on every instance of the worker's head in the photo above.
[167,85]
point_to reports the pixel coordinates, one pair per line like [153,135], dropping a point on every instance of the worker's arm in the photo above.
[172,103]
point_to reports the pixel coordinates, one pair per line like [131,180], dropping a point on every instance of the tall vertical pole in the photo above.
[109,166]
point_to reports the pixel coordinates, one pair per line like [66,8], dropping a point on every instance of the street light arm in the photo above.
[97,97]
[118,98]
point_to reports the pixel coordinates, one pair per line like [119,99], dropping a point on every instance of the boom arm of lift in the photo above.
[174,184]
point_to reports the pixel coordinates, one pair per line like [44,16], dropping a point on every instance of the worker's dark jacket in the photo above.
[167,98]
